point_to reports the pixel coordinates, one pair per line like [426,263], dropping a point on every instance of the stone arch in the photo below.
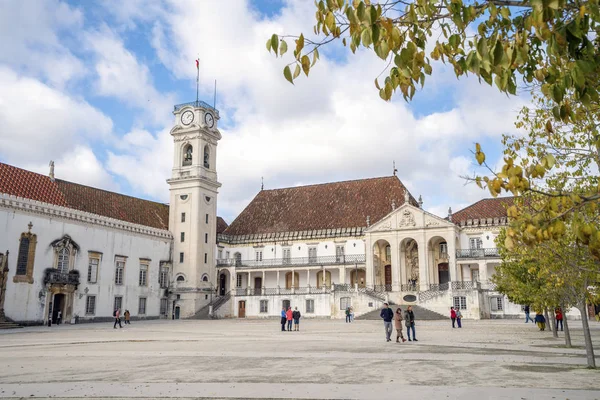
[223,284]
[187,155]
[204,278]
[438,260]
[382,264]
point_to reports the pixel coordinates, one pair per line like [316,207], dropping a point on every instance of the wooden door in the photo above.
[288,280]
[443,273]
[242,309]
[257,285]
[177,310]
[388,278]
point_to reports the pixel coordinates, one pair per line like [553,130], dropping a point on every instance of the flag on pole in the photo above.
[197,64]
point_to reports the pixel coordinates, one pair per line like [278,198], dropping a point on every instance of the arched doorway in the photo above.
[223,282]
[438,267]
[288,280]
[382,265]
[358,277]
[327,282]
[58,304]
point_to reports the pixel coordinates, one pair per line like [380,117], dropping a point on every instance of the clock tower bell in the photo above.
[193,190]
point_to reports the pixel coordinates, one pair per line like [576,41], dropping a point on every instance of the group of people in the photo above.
[398,317]
[287,316]
[456,317]
[117,315]
[540,320]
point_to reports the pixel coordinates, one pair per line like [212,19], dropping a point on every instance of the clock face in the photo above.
[187,117]
[209,119]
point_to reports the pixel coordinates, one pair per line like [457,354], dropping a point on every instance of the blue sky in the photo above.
[92,85]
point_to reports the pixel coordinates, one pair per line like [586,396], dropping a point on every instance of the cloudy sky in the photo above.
[92,87]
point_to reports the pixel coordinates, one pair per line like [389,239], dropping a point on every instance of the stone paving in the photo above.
[327,359]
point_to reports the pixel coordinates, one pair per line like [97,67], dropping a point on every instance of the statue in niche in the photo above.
[412,262]
[187,157]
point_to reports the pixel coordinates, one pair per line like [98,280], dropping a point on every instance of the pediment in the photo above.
[408,217]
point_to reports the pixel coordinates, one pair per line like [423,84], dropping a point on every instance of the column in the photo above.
[263,283]
[395,264]
[293,281]
[232,278]
[423,263]
[277,286]
[483,272]
[249,288]
[402,263]
[369,262]
[452,262]
[342,277]
[308,277]
[323,277]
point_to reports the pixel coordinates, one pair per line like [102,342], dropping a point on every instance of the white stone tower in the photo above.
[193,206]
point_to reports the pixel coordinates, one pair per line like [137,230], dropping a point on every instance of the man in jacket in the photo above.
[388,315]
[283,319]
[409,321]
[117,315]
[296,316]
[527,317]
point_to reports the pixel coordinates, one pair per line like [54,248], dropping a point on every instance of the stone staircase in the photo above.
[9,325]
[421,314]
[216,303]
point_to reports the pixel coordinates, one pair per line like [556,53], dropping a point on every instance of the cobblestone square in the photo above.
[327,359]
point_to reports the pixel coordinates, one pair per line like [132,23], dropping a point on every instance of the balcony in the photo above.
[198,103]
[477,253]
[53,276]
[293,262]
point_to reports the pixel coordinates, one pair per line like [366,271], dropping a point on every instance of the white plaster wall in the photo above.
[480,232]
[322,305]
[27,302]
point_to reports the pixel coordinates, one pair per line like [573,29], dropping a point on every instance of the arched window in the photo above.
[388,253]
[180,278]
[63,260]
[205,278]
[187,154]
[206,157]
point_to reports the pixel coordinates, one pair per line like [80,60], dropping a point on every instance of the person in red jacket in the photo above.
[559,318]
[288,315]
[453,316]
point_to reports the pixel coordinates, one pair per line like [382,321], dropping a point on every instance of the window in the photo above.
[180,257]
[23,256]
[163,306]
[62,263]
[182,237]
[310,306]
[460,303]
[205,278]
[496,303]
[475,243]
[182,217]
[120,271]
[187,155]
[90,305]
[345,302]
[287,256]
[180,278]
[227,255]
[259,255]
[142,306]
[92,276]
[238,259]
[206,238]
[312,254]
[205,258]
[238,281]
[220,254]
[118,302]
[143,274]
[339,253]
[264,306]
[206,157]
[388,253]
[163,277]
[444,250]
[207,218]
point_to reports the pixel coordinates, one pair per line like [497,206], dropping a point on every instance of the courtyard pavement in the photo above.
[327,359]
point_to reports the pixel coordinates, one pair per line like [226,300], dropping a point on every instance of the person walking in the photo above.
[409,321]
[348,316]
[283,319]
[289,318]
[453,316]
[387,314]
[559,318]
[296,316]
[398,325]
[540,320]
[458,318]
[58,317]
[117,315]
[127,316]
[527,317]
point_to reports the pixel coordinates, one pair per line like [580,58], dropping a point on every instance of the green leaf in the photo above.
[283,47]
[269,45]
[274,43]
[498,53]
[482,48]
[360,11]
[297,71]
[366,37]
[305,61]
[287,73]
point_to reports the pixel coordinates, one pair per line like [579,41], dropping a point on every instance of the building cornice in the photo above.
[51,210]
[291,236]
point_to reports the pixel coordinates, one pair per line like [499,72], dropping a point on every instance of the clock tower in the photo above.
[193,206]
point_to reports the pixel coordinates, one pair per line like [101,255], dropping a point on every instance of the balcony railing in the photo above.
[198,103]
[477,253]
[52,276]
[293,262]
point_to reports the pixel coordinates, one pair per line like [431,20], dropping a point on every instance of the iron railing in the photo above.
[463,285]
[292,262]
[409,287]
[55,277]
[198,103]
[477,253]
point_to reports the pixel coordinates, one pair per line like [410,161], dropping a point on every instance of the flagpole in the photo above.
[215,98]
[197,80]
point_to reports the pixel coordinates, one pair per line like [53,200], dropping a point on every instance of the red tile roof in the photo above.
[221,225]
[324,206]
[30,185]
[486,208]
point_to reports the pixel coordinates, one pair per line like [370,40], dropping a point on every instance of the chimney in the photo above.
[51,174]
[450,214]
[420,201]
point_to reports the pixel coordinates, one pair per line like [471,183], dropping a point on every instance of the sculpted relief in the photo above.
[407,219]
